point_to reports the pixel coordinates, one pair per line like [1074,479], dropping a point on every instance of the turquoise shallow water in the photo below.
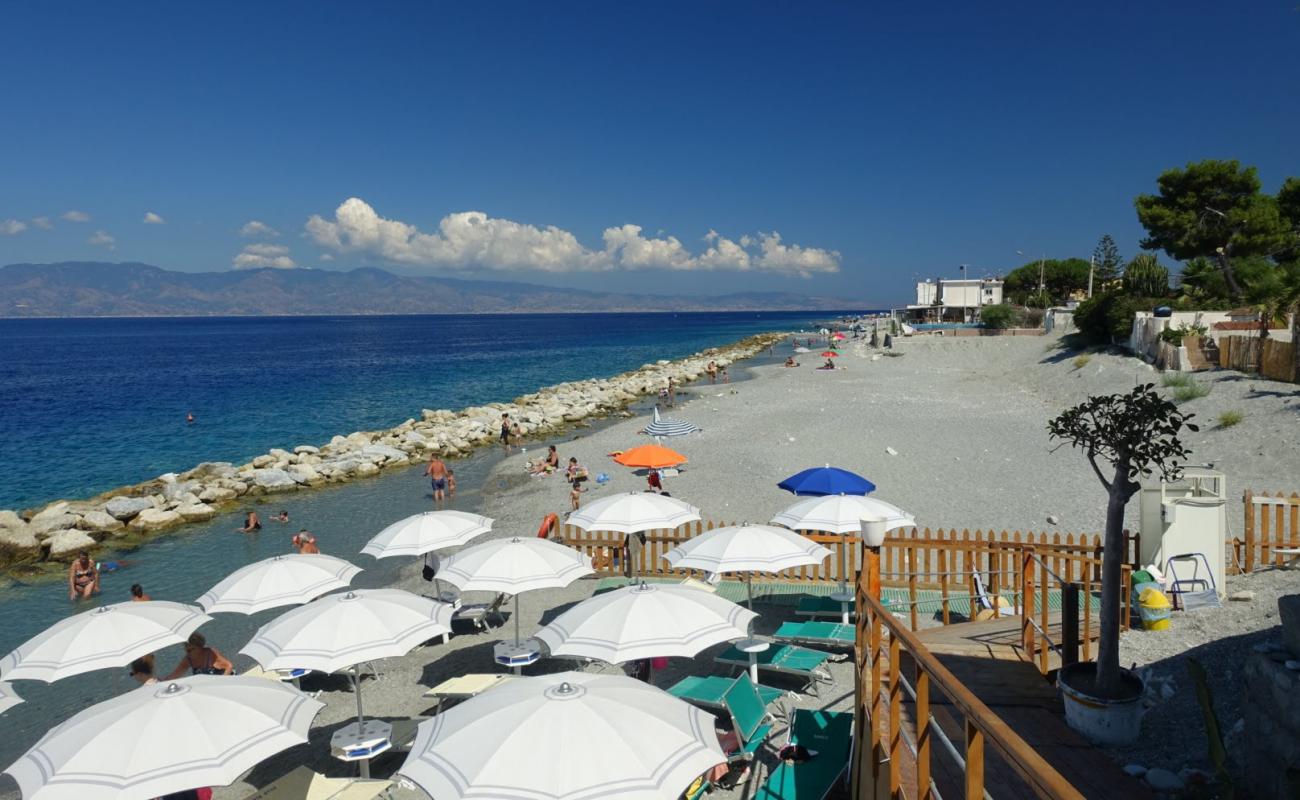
[184,564]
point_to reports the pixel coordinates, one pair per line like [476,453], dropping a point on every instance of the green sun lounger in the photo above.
[749,717]
[832,634]
[822,606]
[708,691]
[785,659]
[830,735]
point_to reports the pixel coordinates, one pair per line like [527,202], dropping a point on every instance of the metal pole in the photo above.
[749,589]
[356,689]
[1070,624]
[1092,265]
[516,620]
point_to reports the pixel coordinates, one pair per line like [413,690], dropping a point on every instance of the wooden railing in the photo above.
[1076,579]
[1272,521]
[878,765]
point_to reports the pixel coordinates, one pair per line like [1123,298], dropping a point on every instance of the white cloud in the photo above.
[76,216]
[254,229]
[102,239]
[257,256]
[473,239]
[326,257]
[11,227]
[43,223]
[151,218]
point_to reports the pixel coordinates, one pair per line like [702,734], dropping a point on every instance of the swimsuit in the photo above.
[505,433]
[83,577]
[439,484]
[209,669]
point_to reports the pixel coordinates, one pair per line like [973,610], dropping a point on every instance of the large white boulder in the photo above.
[124,508]
[263,461]
[365,468]
[68,543]
[196,512]
[177,490]
[386,452]
[273,480]
[16,537]
[216,494]
[46,523]
[100,522]
[306,449]
[304,474]
[152,519]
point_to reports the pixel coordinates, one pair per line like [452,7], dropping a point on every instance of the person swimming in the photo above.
[305,542]
[282,517]
[189,418]
[251,523]
[142,670]
[138,595]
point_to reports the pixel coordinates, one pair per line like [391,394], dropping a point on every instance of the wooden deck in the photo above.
[988,659]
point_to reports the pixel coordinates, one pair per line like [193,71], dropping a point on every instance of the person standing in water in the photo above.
[83,577]
[252,524]
[505,431]
[438,477]
[304,542]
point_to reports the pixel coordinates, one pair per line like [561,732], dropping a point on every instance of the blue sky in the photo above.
[879,145]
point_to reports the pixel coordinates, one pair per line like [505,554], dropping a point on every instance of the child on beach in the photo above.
[451,483]
[575,495]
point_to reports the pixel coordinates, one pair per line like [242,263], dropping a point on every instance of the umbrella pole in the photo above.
[516,620]
[356,689]
[749,589]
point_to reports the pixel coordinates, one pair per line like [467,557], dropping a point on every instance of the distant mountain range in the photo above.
[99,289]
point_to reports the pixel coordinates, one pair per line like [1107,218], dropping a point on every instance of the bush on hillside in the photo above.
[1000,316]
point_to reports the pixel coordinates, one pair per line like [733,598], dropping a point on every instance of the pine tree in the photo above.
[1106,261]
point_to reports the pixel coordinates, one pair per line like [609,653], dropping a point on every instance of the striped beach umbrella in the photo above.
[667,426]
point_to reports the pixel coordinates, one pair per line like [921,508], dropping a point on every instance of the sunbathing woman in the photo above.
[201,660]
[83,577]
[551,464]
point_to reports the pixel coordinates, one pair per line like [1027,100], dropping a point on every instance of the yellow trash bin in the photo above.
[1154,609]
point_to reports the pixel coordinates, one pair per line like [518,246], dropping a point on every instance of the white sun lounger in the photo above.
[464,687]
[304,784]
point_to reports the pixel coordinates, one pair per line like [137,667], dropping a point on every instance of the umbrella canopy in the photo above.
[626,740]
[284,580]
[650,456]
[645,621]
[204,730]
[827,480]
[341,630]
[746,548]
[108,636]
[830,354]
[423,533]
[8,697]
[666,426]
[515,565]
[841,513]
[634,512]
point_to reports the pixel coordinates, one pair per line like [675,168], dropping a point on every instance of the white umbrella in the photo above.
[514,566]
[283,580]
[646,621]
[634,512]
[569,736]
[346,629]
[423,533]
[8,697]
[204,730]
[841,513]
[108,636]
[746,548]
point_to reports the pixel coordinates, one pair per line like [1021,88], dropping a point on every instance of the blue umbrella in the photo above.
[827,480]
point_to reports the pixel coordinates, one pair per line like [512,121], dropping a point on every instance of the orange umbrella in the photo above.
[651,456]
[830,354]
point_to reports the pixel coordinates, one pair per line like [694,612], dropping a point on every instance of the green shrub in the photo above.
[997,316]
[1175,336]
[1145,277]
[1082,361]
[1229,418]
[1175,379]
[1191,391]
[1107,318]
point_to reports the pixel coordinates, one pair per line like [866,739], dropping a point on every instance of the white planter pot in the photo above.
[1102,721]
[873,532]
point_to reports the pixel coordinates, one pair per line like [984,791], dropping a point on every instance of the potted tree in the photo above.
[1125,437]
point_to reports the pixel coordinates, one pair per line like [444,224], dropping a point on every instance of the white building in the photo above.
[952,300]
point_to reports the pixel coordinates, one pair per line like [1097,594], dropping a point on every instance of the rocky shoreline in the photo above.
[34,540]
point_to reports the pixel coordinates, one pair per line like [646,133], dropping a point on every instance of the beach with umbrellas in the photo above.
[388,682]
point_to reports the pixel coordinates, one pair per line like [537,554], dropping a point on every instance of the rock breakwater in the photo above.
[34,538]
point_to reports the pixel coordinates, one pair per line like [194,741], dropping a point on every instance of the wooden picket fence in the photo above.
[1269,357]
[943,559]
[1272,521]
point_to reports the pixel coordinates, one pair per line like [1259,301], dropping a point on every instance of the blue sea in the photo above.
[91,404]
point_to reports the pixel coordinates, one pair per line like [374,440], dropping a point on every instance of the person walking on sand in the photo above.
[83,577]
[672,393]
[575,495]
[437,472]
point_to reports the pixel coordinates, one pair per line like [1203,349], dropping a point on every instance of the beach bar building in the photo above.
[951,300]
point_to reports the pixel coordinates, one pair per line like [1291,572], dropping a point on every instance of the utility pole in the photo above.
[1092,265]
[1042,262]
